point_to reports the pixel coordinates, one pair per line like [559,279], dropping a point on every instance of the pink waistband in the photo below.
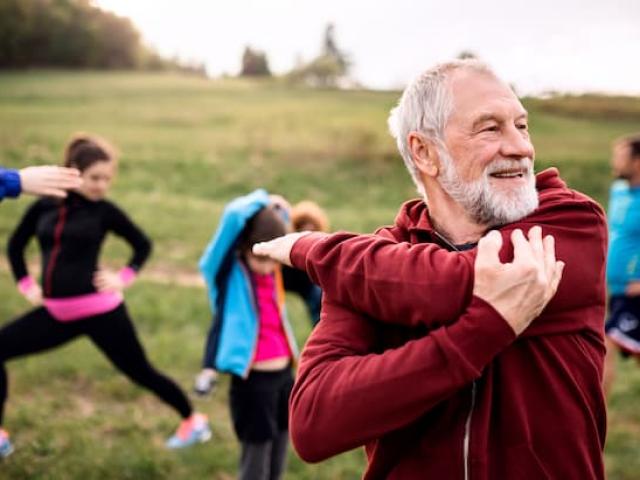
[83,306]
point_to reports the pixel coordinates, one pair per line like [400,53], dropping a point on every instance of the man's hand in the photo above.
[108,281]
[49,180]
[279,249]
[519,290]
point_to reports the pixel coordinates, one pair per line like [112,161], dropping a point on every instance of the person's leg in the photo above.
[281,440]
[114,334]
[279,448]
[253,404]
[34,332]
[255,461]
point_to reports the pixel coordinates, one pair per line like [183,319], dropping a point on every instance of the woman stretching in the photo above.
[76,298]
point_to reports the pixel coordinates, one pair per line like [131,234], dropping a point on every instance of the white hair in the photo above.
[425,107]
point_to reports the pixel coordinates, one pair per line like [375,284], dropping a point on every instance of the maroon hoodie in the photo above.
[432,379]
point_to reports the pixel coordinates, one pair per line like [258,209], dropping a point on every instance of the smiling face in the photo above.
[487,160]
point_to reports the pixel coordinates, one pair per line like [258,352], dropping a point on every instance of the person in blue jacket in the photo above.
[42,180]
[623,260]
[250,336]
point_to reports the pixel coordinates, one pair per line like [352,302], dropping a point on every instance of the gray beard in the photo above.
[484,204]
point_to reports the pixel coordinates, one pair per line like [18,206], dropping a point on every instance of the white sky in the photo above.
[538,45]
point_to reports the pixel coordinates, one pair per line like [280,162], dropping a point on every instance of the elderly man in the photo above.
[431,352]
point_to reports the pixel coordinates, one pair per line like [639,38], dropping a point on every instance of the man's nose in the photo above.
[516,144]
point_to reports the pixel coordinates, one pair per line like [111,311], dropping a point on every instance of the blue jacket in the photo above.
[10,185]
[623,261]
[233,336]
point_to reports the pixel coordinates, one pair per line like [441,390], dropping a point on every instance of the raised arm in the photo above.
[395,282]
[346,396]
[233,220]
[424,284]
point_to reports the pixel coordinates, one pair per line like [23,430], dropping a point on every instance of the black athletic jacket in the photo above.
[70,234]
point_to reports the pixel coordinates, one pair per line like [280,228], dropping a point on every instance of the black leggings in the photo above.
[112,332]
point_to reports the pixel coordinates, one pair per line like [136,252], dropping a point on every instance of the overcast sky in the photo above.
[538,45]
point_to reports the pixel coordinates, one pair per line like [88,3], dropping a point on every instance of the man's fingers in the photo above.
[278,249]
[489,249]
[521,247]
[54,192]
[535,242]
[549,246]
[557,276]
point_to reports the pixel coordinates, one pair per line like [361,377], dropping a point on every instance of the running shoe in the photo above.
[205,383]
[194,429]
[6,448]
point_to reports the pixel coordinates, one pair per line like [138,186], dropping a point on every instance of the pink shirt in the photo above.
[272,339]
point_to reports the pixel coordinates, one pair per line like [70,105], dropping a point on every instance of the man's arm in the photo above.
[424,284]
[345,395]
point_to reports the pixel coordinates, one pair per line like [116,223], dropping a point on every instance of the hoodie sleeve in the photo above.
[345,395]
[10,185]
[395,282]
[424,284]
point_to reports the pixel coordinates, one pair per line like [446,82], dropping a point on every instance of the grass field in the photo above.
[189,145]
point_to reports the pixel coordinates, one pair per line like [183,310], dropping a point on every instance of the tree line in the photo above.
[73,34]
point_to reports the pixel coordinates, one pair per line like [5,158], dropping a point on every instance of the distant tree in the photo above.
[71,33]
[465,54]
[254,63]
[332,51]
[326,70]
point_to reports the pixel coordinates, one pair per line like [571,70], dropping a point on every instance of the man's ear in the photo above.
[424,154]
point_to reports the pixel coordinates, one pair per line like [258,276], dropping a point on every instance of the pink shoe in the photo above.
[192,430]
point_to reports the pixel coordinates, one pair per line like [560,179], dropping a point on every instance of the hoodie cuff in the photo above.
[12,183]
[302,247]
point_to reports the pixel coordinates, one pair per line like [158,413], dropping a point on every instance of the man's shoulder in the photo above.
[557,199]
[412,215]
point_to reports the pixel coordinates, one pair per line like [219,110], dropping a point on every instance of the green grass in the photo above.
[188,146]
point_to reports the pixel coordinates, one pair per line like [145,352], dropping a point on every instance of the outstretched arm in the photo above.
[345,395]
[425,284]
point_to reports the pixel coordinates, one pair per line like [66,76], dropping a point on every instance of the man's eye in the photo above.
[523,126]
[491,128]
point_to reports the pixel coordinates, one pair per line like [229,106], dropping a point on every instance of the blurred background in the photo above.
[209,100]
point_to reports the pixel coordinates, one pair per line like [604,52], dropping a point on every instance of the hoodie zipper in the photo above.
[466,441]
[467,433]
[55,251]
